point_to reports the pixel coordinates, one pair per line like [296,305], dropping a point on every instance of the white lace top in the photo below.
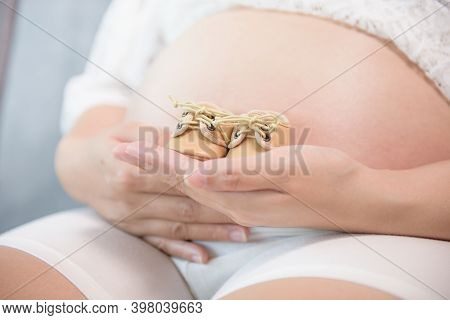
[132,31]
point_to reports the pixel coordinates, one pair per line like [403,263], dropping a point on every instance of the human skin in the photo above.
[143,205]
[365,113]
[24,277]
[382,112]
[335,193]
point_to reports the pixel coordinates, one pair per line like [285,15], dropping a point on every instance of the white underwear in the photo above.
[107,263]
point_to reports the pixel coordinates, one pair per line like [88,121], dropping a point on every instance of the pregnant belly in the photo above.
[382,112]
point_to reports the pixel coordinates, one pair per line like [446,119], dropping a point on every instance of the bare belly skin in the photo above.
[383,112]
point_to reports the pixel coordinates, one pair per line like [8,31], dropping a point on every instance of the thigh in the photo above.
[369,265]
[23,277]
[102,262]
[308,289]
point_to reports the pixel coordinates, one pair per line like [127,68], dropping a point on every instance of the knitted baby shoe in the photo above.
[257,131]
[199,134]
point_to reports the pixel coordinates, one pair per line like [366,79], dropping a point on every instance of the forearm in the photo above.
[95,120]
[414,202]
[73,165]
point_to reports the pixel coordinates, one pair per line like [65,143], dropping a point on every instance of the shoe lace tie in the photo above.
[203,117]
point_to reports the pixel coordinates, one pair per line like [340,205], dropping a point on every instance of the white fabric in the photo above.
[106,263]
[132,32]
[102,262]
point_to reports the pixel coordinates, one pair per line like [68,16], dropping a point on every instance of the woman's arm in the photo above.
[76,173]
[334,192]
[423,195]
[88,165]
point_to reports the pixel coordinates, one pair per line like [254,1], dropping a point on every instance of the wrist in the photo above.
[69,165]
[386,201]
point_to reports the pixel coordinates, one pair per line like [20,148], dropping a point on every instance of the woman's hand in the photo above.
[307,186]
[168,217]
[91,170]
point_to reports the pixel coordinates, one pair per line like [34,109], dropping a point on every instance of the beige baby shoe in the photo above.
[257,131]
[200,133]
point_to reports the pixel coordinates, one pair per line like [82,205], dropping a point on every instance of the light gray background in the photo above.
[37,69]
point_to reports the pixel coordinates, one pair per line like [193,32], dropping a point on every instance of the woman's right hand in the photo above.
[143,205]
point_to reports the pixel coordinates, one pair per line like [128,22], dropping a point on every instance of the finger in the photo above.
[265,171]
[250,208]
[133,152]
[186,231]
[178,248]
[178,209]
[128,132]
[128,179]
[149,176]
[134,180]
[165,164]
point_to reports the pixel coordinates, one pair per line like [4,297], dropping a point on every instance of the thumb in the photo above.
[265,171]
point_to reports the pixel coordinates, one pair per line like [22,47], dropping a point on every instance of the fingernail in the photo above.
[197,258]
[238,235]
[132,150]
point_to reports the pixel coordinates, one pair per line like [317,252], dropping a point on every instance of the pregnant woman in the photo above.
[367,216]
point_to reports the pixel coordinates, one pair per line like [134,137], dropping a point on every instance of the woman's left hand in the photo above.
[293,186]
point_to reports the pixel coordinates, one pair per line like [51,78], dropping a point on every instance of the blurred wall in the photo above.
[37,69]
